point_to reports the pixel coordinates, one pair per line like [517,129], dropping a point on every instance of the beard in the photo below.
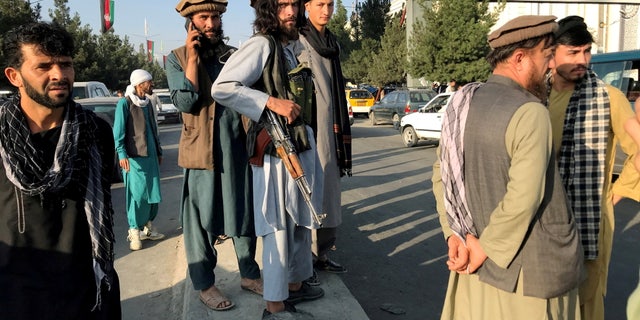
[538,87]
[212,47]
[566,72]
[59,101]
[288,33]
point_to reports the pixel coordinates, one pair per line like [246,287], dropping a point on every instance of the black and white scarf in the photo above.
[26,169]
[582,156]
[452,162]
[328,48]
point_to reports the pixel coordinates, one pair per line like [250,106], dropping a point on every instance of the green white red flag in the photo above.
[107,11]
[150,50]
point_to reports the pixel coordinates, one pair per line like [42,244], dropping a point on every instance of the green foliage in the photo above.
[103,57]
[390,62]
[451,41]
[356,68]
[373,18]
[337,27]
[12,13]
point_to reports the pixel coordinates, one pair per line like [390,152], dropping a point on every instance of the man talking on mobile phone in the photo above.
[216,193]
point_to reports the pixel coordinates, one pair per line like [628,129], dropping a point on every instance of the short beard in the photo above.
[538,88]
[44,99]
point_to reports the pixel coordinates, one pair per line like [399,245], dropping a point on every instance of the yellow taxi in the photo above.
[360,101]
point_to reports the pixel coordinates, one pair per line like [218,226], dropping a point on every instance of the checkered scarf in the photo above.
[452,162]
[77,160]
[582,156]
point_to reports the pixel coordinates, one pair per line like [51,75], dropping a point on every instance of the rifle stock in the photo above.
[287,152]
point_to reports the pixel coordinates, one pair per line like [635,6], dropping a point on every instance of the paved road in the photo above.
[390,239]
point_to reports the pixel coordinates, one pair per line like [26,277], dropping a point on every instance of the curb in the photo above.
[337,304]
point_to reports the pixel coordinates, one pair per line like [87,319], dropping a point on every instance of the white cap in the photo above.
[139,76]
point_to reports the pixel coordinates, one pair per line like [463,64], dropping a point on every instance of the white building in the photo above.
[615,27]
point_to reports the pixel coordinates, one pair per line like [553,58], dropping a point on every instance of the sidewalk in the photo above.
[337,304]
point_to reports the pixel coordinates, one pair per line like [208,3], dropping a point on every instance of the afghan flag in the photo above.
[107,11]
[150,50]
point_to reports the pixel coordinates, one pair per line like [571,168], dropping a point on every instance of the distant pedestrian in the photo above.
[514,250]
[56,217]
[452,87]
[138,147]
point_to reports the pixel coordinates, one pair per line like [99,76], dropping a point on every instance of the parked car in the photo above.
[398,103]
[89,89]
[360,101]
[621,70]
[426,123]
[105,108]
[167,112]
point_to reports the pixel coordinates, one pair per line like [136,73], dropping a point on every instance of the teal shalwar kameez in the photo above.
[142,182]
[218,201]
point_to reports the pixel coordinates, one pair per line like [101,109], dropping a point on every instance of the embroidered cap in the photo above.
[187,7]
[522,28]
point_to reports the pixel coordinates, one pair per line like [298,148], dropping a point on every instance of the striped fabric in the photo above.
[452,161]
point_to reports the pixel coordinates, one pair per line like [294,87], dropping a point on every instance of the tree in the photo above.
[14,13]
[390,63]
[337,27]
[356,68]
[373,17]
[451,41]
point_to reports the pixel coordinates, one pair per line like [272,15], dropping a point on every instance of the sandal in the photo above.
[255,285]
[215,301]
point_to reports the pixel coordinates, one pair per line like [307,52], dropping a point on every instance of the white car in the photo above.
[425,124]
[167,112]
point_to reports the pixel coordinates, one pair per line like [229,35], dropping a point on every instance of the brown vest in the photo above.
[195,150]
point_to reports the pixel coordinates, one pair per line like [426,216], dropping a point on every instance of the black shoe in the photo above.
[329,266]
[288,308]
[313,280]
[306,293]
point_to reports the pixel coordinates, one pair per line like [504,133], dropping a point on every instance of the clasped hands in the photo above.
[465,259]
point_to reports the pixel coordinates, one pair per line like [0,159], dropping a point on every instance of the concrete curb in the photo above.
[337,304]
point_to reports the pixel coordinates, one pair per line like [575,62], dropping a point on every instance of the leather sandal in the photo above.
[255,285]
[215,301]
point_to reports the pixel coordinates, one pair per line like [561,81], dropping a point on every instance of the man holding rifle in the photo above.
[254,82]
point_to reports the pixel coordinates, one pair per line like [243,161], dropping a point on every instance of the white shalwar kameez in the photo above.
[282,217]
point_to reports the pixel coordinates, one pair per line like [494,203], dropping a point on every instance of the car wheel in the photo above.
[372,119]
[409,137]
[396,121]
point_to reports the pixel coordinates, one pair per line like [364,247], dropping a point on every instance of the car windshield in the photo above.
[165,99]
[420,97]
[360,95]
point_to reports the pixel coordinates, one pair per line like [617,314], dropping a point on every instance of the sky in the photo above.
[164,25]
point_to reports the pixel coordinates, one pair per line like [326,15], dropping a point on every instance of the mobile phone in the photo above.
[189,25]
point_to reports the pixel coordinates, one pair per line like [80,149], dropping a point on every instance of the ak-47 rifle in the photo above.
[287,152]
